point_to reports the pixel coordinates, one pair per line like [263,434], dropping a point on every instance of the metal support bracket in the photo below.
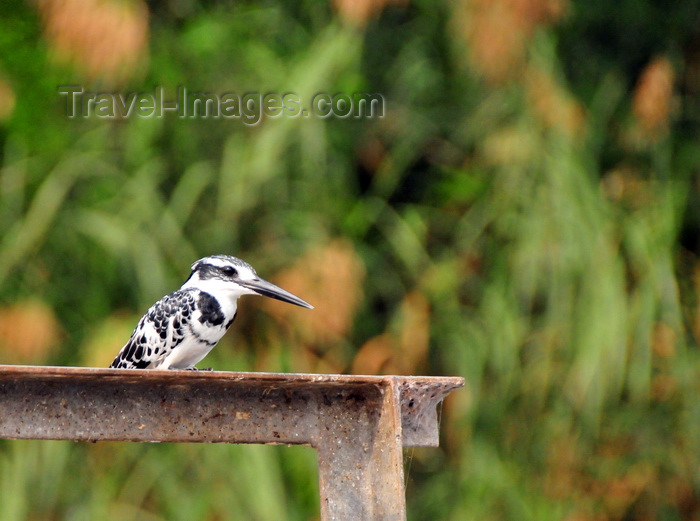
[358,424]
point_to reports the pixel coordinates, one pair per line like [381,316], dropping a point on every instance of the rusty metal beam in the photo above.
[358,424]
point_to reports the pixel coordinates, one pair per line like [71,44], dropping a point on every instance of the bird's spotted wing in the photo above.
[158,332]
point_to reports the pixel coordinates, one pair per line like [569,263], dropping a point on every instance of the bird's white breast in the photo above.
[200,338]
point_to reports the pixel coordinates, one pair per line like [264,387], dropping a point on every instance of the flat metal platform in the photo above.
[358,424]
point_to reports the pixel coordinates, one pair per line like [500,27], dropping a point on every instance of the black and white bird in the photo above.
[181,328]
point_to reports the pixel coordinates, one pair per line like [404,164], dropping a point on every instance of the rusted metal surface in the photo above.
[358,424]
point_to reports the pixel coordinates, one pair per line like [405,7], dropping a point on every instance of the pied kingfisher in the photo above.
[182,327]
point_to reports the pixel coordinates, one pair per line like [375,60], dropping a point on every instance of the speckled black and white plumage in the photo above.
[181,328]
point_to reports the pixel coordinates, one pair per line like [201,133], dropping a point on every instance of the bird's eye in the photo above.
[229,271]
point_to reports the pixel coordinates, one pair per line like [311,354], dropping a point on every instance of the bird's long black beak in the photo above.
[267,289]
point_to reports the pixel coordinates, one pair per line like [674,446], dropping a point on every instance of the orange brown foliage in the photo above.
[104,39]
[497,32]
[653,97]
[330,278]
[29,332]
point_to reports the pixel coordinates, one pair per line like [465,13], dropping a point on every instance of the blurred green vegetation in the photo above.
[526,215]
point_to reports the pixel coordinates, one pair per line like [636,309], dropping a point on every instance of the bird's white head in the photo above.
[224,276]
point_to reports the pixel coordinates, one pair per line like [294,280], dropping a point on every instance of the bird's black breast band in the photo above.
[210,309]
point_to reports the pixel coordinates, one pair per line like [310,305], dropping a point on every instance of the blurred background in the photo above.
[526,215]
